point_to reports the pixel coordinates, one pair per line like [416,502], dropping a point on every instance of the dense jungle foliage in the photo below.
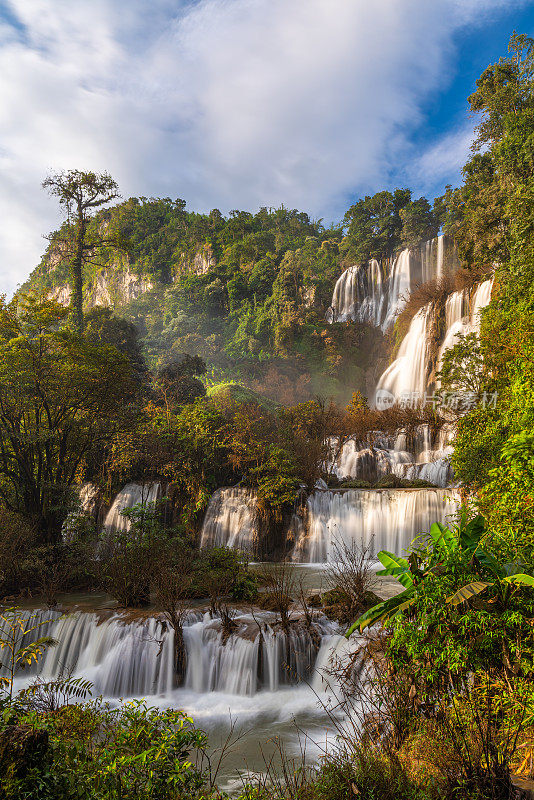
[248,292]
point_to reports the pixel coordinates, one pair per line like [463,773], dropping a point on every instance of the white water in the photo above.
[399,287]
[419,456]
[262,679]
[135,659]
[407,376]
[369,463]
[230,519]
[133,494]
[377,293]
[432,259]
[481,299]
[386,519]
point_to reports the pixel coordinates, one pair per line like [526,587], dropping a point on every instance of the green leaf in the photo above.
[397,566]
[468,591]
[443,536]
[520,579]
[383,611]
[471,533]
[490,563]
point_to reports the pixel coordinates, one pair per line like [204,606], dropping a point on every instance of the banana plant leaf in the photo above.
[471,533]
[397,566]
[383,611]
[521,579]
[468,591]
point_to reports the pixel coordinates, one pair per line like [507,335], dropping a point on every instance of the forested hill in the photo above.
[247,292]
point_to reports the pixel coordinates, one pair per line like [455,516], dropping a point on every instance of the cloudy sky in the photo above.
[236,103]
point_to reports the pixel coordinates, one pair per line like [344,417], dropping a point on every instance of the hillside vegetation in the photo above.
[248,292]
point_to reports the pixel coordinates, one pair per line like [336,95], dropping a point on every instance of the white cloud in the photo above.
[228,103]
[443,160]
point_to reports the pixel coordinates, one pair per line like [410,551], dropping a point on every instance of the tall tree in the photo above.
[374,226]
[81,194]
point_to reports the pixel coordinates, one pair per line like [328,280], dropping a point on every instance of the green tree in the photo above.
[81,194]
[62,400]
[419,222]
[103,327]
[374,226]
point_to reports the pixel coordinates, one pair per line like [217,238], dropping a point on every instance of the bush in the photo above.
[221,572]
[93,752]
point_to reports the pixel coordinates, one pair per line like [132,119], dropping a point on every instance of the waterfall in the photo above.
[135,659]
[481,299]
[345,296]
[230,520]
[371,295]
[376,293]
[456,322]
[369,463]
[386,519]
[133,494]
[244,664]
[432,259]
[89,497]
[408,374]
[425,457]
[359,295]
[399,287]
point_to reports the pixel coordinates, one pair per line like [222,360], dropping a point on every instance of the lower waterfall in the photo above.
[135,659]
[381,519]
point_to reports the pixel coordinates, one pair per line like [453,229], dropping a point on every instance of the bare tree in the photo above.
[80,194]
[351,576]
[171,584]
[281,585]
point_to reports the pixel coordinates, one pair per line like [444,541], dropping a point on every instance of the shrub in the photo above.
[93,752]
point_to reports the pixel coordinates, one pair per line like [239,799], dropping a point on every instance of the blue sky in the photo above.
[237,103]
[446,111]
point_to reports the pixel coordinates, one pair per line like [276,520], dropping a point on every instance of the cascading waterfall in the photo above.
[425,457]
[230,519]
[381,519]
[456,321]
[407,376]
[135,659]
[371,294]
[132,495]
[359,295]
[481,299]
[433,258]
[376,293]
[345,297]
[369,463]
[399,287]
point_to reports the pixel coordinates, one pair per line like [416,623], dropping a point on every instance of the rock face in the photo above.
[118,285]
[200,263]
[110,288]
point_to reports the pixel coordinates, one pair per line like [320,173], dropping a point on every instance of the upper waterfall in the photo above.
[413,372]
[133,494]
[230,519]
[377,292]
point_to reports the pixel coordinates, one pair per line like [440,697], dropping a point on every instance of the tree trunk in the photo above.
[77,276]
[180,659]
